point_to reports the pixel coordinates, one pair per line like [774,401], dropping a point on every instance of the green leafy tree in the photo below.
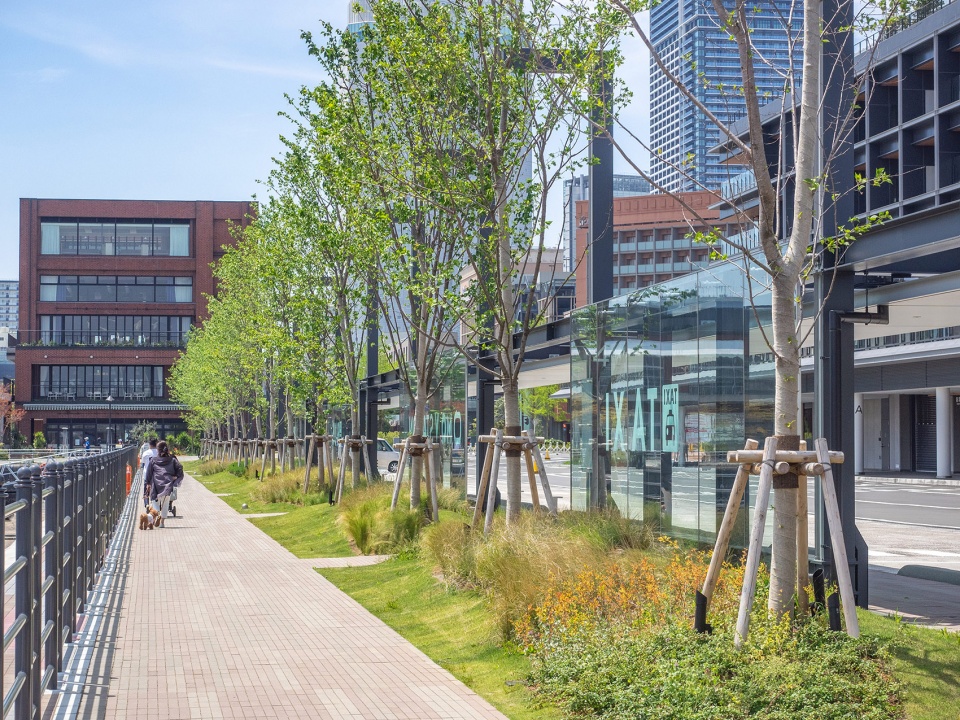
[805,191]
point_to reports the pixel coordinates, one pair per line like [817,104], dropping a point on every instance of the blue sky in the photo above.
[157,99]
[154,99]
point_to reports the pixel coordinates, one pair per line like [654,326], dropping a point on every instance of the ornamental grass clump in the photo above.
[367,519]
[210,467]
[616,642]
[286,487]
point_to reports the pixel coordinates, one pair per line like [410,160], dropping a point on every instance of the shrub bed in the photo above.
[617,642]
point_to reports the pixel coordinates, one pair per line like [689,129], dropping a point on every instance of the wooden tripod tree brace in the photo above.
[726,526]
[841,568]
[756,541]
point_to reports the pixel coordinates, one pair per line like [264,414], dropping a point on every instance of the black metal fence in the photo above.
[66,513]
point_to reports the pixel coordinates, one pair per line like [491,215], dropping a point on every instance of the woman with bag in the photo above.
[164,475]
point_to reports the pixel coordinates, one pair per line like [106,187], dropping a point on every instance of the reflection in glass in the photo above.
[665,381]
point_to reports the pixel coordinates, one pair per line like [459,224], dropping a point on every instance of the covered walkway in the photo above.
[210,618]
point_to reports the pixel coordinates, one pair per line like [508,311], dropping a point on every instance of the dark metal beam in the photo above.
[369,417]
[599,267]
[833,293]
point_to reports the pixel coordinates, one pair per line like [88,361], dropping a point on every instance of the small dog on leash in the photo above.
[149,519]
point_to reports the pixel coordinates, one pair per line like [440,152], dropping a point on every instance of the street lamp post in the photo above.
[109,420]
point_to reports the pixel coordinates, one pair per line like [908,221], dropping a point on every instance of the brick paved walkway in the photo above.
[210,618]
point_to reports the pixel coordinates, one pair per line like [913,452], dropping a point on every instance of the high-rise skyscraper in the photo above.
[360,14]
[687,38]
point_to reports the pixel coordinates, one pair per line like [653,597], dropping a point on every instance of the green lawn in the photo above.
[307,531]
[454,629]
[927,662]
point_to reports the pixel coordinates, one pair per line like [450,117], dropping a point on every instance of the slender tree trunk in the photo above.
[511,413]
[416,459]
[783,571]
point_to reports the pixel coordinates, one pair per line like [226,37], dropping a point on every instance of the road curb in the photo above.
[930,482]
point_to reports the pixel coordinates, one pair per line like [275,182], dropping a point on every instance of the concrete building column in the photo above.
[858,433]
[944,433]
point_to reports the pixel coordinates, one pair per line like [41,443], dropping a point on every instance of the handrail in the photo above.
[74,500]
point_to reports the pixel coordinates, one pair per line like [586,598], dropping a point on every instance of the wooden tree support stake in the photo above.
[726,526]
[531,474]
[803,541]
[309,464]
[492,486]
[484,481]
[756,540]
[544,481]
[841,568]
[401,466]
[431,469]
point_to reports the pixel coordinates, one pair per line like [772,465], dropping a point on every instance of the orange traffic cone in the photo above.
[129,478]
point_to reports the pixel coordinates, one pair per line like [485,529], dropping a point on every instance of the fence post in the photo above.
[36,517]
[23,651]
[52,559]
[70,547]
[80,536]
[98,500]
[3,608]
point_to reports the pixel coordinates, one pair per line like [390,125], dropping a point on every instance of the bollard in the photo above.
[819,593]
[23,651]
[700,623]
[833,610]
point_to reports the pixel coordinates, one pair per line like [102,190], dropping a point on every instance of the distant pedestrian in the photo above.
[86,443]
[164,475]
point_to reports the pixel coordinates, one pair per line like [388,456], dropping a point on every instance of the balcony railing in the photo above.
[920,11]
[81,393]
[738,186]
[88,338]
[913,338]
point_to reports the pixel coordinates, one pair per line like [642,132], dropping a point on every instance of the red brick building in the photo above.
[651,242]
[108,290]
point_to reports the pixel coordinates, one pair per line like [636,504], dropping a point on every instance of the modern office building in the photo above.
[359,14]
[577,189]
[907,377]
[686,36]
[109,290]
[664,383]
[653,240]
[10,304]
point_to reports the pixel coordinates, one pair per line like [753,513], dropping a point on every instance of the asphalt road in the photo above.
[902,524]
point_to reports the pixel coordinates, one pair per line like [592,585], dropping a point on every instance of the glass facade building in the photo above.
[664,382]
[686,36]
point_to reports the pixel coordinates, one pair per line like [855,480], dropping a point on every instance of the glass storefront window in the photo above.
[663,384]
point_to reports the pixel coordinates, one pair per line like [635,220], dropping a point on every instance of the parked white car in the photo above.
[388,459]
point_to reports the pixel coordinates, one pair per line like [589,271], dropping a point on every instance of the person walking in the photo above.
[164,475]
[148,451]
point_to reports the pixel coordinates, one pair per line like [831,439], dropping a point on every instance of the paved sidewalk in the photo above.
[213,619]
[923,602]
